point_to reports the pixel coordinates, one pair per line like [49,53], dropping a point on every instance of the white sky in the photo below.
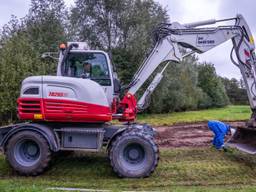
[183,11]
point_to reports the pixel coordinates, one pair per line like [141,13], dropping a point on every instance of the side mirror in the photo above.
[117,86]
[52,55]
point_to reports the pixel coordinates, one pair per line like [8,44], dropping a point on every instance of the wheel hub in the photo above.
[32,150]
[27,152]
[134,153]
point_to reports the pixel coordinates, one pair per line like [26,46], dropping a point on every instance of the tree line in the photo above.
[123,29]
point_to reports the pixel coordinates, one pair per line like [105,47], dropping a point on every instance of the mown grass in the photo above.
[229,113]
[196,169]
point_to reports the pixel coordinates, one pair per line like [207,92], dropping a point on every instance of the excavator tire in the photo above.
[134,155]
[28,153]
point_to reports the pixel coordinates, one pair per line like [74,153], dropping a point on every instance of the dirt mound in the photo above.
[187,135]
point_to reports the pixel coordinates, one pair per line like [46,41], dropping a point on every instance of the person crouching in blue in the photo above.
[220,130]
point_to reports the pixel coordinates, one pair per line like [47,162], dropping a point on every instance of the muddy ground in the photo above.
[187,135]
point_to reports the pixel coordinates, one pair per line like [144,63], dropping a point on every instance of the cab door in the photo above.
[91,64]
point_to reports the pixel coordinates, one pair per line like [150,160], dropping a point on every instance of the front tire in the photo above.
[28,153]
[134,155]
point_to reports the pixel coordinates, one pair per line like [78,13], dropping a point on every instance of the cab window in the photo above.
[93,66]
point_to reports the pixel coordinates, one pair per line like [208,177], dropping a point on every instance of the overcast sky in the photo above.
[183,11]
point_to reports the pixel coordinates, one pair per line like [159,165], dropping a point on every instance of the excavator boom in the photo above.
[200,37]
[171,37]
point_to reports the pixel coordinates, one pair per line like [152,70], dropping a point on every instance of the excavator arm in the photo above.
[198,38]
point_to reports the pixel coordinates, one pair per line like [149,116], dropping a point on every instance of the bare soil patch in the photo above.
[187,135]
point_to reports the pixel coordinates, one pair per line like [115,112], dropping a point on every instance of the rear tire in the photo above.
[134,155]
[28,153]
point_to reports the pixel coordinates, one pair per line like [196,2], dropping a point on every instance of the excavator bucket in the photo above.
[243,139]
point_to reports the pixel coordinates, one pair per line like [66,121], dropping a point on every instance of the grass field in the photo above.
[230,113]
[201,169]
[182,169]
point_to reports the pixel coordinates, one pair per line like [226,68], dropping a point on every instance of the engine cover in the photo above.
[63,99]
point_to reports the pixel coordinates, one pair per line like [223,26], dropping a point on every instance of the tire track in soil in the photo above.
[187,135]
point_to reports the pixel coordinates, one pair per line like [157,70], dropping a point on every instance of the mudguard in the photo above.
[47,132]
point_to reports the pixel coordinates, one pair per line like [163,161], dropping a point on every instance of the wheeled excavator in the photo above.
[73,110]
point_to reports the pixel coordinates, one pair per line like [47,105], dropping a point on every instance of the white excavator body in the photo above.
[71,111]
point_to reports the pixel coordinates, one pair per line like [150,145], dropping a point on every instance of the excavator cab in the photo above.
[91,65]
[77,60]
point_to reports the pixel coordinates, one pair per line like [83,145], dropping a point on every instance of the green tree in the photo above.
[45,24]
[46,28]
[21,45]
[178,90]
[235,91]
[17,61]
[212,85]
